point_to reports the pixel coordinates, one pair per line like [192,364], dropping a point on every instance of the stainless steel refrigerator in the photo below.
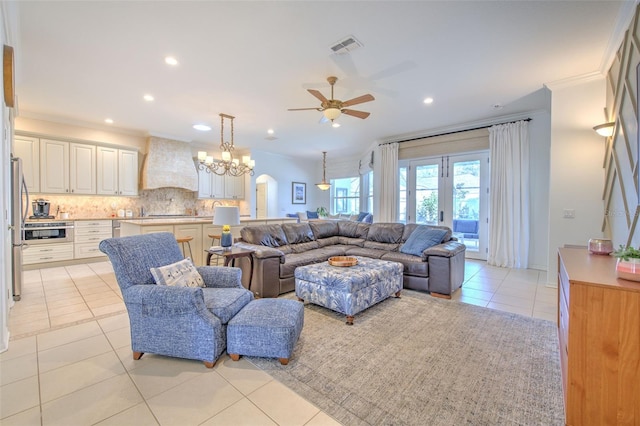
[19,210]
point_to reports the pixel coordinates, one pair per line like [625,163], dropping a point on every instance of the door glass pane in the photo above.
[402,207]
[466,200]
[427,194]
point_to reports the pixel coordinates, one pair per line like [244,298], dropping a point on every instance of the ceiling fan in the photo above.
[332,108]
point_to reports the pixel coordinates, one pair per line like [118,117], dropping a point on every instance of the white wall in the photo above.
[576,174]
[286,170]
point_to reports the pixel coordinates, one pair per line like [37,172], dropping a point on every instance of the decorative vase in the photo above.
[602,246]
[628,269]
[226,240]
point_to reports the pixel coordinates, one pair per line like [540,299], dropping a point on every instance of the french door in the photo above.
[452,190]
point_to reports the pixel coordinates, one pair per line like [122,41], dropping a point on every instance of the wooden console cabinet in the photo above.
[599,335]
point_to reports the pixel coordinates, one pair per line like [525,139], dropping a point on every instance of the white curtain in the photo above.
[509,195]
[388,183]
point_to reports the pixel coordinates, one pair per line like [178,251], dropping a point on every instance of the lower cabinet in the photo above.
[87,237]
[41,253]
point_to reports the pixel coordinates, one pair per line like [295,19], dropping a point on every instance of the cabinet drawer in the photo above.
[95,238]
[84,250]
[47,253]
[82,224]
[563,282]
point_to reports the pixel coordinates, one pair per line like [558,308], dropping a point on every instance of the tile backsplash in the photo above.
[154,201]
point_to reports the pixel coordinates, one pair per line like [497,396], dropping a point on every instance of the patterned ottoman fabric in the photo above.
[349,290]
[266,328]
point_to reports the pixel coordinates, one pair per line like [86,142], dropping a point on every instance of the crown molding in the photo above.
[575,80]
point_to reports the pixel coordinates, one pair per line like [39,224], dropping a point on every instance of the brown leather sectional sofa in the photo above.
[280,249]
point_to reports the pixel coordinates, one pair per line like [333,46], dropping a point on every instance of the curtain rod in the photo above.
[456,131]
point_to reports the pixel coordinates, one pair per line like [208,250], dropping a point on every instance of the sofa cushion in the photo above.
[293,260]
[226,302]
[348,241]
[385,232]
[302,247]
[324,228]
[352,229]
[298,233]
[413,265]
[381,246]
[329,241]
[179,274]
[264,235]
[365,252]
[421,239]
[312,215]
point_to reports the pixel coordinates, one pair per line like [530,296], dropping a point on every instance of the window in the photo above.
[402,196]
[345,195]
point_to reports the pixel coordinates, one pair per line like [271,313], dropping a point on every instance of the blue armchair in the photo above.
[467,227]
[182,322]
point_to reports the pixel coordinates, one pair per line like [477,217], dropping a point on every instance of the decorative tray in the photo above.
[343,261]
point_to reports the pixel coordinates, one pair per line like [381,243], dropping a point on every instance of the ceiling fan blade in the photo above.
[318,95]
[354,113]
[359,100]
[304,109]
[323,120]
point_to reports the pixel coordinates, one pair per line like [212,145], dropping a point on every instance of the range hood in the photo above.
[169,164]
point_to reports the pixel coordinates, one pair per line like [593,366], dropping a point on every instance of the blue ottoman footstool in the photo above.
[266,328]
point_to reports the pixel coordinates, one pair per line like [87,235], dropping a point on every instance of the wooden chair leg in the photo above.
[137,355]
[283,361]
[209,364]
[234,357]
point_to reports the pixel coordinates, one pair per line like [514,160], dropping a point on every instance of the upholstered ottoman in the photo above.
[349,290]
[266,328]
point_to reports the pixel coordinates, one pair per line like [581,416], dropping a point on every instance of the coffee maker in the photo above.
[40,209]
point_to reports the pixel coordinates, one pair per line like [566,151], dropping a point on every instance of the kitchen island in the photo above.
[198,227]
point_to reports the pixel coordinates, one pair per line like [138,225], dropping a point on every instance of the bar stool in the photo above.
[215,237]
[183,240]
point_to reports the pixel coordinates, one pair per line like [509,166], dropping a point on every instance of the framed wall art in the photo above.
[298,193]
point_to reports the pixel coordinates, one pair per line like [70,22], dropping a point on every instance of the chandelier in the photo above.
[324,185]
[228,165]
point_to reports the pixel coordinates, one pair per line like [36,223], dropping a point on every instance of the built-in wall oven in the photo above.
[48,232]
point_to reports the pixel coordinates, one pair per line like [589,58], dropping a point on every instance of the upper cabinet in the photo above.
[117,171]
[29,150]
[67,167]
[59,167]
[211,185]
[234,187]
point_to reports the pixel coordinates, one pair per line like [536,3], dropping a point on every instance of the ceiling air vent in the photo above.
[346,45]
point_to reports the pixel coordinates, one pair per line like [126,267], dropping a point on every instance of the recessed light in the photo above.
[108,121]
[428,101]
[202,127]
[148,98]
[335,125]
[170,60]
[270,131]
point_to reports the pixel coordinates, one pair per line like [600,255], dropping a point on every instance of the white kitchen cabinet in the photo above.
[67,167]
[82,168]
[28,149]
[234,187]
[54,166]
[43,253]
[210,185]
[87,237]
[117,171]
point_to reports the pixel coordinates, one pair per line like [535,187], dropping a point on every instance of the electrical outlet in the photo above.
[569,214]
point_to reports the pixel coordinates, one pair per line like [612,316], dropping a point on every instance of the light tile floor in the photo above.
[69,360]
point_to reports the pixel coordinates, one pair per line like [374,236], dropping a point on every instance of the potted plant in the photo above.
[628,264]
[322,212]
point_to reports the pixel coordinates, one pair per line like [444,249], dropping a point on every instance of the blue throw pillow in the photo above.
[421,239]
[312,215]
[361,216]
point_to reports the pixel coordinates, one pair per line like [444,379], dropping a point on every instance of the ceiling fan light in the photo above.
[605,129]
[331,113]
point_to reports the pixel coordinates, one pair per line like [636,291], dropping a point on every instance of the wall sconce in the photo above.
[605,129]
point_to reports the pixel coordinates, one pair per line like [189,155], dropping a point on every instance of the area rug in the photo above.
[419,360]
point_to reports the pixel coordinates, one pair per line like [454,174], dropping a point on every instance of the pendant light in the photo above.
[324,185]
